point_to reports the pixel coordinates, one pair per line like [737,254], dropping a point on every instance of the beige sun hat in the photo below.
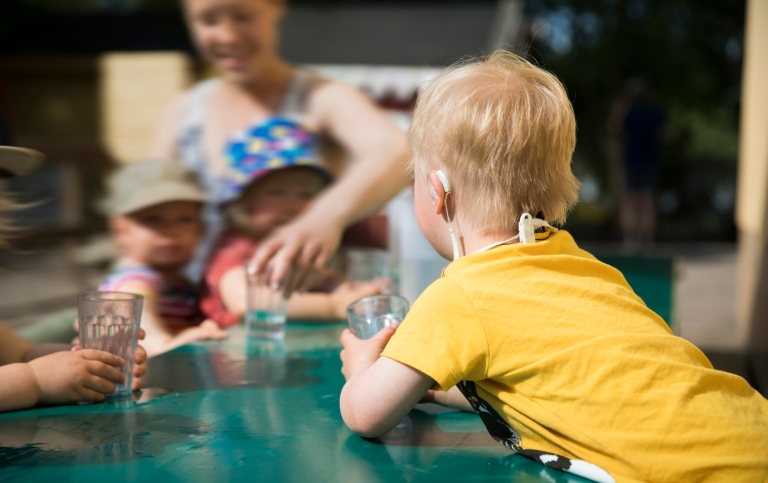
[148,183]
[15,161]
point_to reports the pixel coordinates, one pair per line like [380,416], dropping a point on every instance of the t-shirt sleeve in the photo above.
[138,281]
[442,336]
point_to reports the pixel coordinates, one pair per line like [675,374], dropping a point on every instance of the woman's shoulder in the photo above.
[184,109]
[187,100]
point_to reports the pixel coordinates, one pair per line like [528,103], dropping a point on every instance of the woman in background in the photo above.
[254,86]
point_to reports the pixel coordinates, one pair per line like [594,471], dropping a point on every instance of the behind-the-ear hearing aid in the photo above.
[444,181]
[447,187]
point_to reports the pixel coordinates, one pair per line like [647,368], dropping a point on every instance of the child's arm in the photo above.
[59,378]
[13,347]
[305,306]
[329,306]
[379,391]
[159,337]
[453,398]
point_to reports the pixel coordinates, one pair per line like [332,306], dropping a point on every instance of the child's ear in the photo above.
[436,192]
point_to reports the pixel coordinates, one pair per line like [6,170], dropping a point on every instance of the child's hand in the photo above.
[140,363]
[208,329]
[83,375]
[358,355]
[346,293]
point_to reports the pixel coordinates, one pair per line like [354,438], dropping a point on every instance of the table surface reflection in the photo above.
[250,410]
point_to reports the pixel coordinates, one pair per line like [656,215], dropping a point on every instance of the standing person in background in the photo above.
[238,38]
[639,122]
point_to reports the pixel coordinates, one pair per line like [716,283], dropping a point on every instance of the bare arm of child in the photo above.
[12,346]
[379,391]
[303,306]
[329,306]
[60,378]
[453,398]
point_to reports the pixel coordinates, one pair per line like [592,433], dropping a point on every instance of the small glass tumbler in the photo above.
[266,310]
[368,315]
[109,321]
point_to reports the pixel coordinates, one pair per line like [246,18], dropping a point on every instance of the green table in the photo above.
[243,410]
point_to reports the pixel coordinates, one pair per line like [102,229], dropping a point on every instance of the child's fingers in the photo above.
[348,337]
[99,384]
[384,335]
[102,356]
[142,334]
[136,383]
[105,371]
[89,395]
[211,330]
[139,370]
[140,356]
[76,348]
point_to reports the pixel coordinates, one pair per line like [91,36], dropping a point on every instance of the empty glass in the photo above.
[369,315]
[109,321]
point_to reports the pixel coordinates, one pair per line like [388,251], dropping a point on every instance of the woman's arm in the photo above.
[164,142]
[381,153]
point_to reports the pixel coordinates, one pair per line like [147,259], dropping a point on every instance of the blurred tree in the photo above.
[689,50]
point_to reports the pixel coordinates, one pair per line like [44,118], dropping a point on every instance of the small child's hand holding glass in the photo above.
[75,376]
[358,355]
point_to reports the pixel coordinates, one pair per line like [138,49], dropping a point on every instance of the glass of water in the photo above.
[369,315]
[109,321]
[266,309]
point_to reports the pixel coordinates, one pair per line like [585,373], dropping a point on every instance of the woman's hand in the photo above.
[294,251]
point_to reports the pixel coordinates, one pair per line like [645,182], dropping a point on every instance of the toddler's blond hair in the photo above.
[503,131]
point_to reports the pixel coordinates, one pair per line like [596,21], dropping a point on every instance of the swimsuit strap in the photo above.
[295,97]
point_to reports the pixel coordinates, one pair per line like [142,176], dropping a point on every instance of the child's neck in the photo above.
[474,242]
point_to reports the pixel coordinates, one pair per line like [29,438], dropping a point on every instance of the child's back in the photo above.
[560,356]
[562,361]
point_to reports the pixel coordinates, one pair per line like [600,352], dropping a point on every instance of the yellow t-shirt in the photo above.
[560,356]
